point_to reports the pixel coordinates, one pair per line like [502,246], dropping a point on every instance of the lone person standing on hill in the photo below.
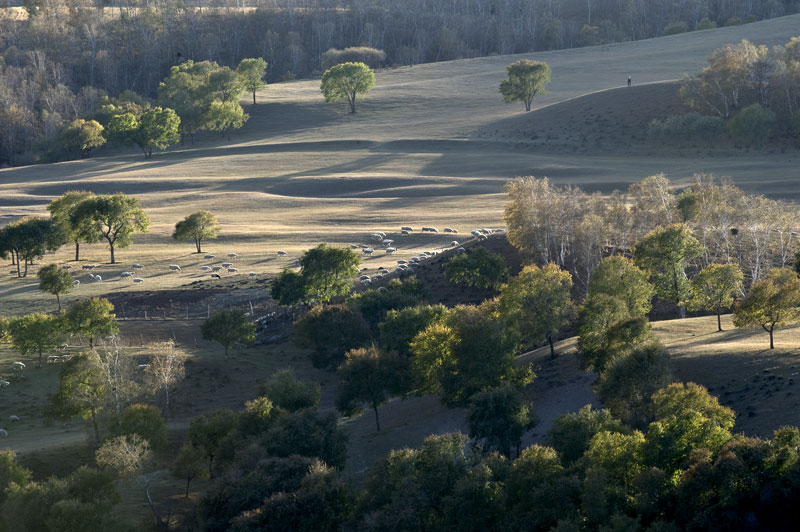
[629,81]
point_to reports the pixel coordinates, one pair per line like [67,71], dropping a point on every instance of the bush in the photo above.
[674,28]
[687,127]
[373,304]
[706,24]
[401,326]
[733,21]
[144,420]
[480,268]
[571,433]
[331,331]
[357,54]
[753,123]
[289,393]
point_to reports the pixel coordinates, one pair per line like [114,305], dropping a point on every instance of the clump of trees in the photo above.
[27,240]
[325,273]
[371,57]
[479,268]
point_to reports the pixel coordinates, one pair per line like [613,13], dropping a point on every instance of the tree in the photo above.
[252,71]
[369,376]
[167,366]
[347,81]
[715,288]
[571,433]
[223,116]
[753,123]
[666,253]
[115,216]
[289,393]
[54,280]
[91,318]
[143,420]
[771,302]
[370,56]
[537,304]
[11,471]
[328,272]
[82,392]
[401,326]
[77,230]
[128,456]
[331,331]
[619,277]
[500,416]
[35,333]
[480,268]
[80,137]
[198,227]
[288,287]
[227,327]
[208,431]
[27,240]
[147,128]
[189,464]
[526,79]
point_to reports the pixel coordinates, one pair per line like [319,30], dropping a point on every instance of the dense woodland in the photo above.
[57,62]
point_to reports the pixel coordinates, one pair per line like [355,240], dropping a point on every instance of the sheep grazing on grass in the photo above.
[76,282]
[18,366]
[232,255]
[364,278]
[483,237]
[367,251]
[227,264]
[88,266]
[137,266]
[96,278]
[205,268]
[454,244]
[174,268]
[389,251]
[406,228]
[461,250]
[124,275]
[66,267]
[138,280]
[404,233]
[215,276]
[386,242]
[216,268]
[209,256]
[381,289]
[282,253]
[450,230]
[233,270]
[3,433]
[53,359]
[354,246]
[14,419]
[252,274]
[65,358]
[4,384]
[401,261]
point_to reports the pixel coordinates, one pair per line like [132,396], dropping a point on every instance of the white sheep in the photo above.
[381,289]
[227,264]
[233,270]
[367,251]
[52,359]
[65,358]
[404,233]
[124,275]
[14,419]
[18,366]
[387,242]
[209,256]
[88,266]
[406,228]
[461,250]
[364,278]
[205,268]
[282,253]
[138,266]
[76,282]
[3,433]
[354,246]
[97,278]
[389,251]
[216,268]
[454,244]
[138,280]
[252,274]
[66,267]
[232,255]
[215,276]
[4,384]
[450,230]
[174,268]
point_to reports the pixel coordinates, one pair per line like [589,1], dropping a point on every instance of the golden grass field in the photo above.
[431,145]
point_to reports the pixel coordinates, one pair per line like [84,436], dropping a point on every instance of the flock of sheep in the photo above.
[17,366]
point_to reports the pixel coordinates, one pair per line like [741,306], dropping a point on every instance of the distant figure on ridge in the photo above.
[629,81]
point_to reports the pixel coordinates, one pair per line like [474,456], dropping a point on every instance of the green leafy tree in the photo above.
[536,304]
[620,277]
[82,392]
[199,226]
[91,318]
[401,326]
[375,304]
[147,128]
[347,81]
[116,217]
[467,351]
[288,287]
[371,377]
[526,79]
[28,239]
[144,420]
[223,116]
[666,253]
[331,331]
[500,416]
[753,123]
[227,327]
[35,333]
[189,464]
[289,393]
[771,302]
[571,433]
[252,71]
[54,280]
[328,272]
[715,288]
[80,137]
[209,431]
[76,230]
[11,472]
[597,314]
[480,268]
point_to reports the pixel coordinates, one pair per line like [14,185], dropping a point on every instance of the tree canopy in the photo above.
[327,272]
[35,333]
[227,327]
[715,287]
[347,81]
[199,226]
[27,239]
[771,302]
[116,217]
[91,318]
[252,71]
[146,127]
[76,230]
[526,79]
[54,280]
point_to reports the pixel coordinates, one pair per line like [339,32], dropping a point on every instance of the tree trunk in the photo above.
[188,479]
[254,97]
[377,421]
[59,301]
[719,323]
[111,245]
[77,250]
[94,423]
[156,519]
[552,348]
[771,344]
[40,358]
[197,245]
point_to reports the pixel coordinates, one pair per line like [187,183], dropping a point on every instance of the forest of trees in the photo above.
[58,62]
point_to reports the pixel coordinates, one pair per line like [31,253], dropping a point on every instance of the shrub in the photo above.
[676,27]
[706,24]
[401,326]
[480,268]
[331,331]
[356,54]
[687,127]
[373,305]
[733,21]
[753,123]
[144,420]
[289,393]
